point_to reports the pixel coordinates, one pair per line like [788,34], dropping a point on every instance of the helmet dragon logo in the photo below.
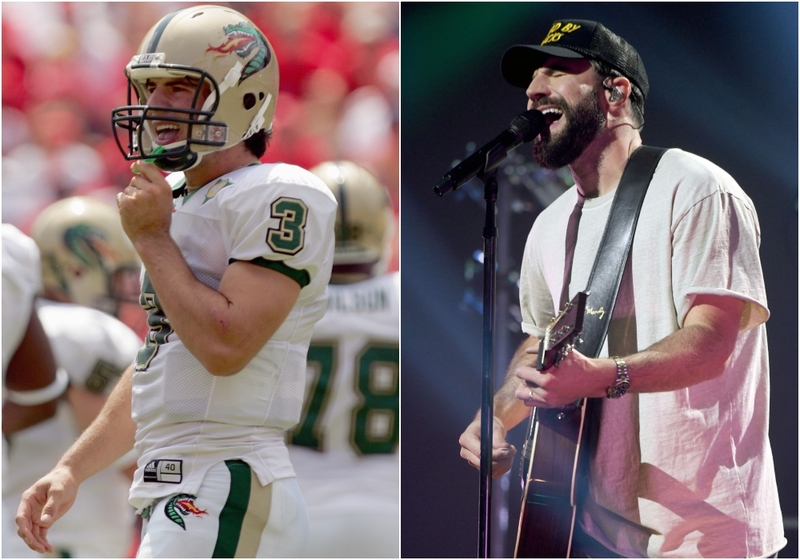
[182,505]
[243,39]
[87,244]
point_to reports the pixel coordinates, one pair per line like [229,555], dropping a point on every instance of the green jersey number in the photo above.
[160,328]
[375,420]
[321,361]
[289,237]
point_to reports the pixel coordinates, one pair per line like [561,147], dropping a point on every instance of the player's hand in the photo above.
[502,451]
[145,206]
[42,504]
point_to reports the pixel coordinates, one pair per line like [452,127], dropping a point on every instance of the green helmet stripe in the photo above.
[162,25]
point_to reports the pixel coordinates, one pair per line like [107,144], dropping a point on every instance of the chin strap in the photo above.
[231,79]
[43,395]
[258,119]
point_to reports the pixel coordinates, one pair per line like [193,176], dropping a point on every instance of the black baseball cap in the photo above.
[575,38]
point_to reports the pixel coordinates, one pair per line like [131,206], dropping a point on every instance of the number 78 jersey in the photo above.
[352,391]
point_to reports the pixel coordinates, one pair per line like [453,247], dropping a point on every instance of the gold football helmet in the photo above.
[221,50]
[364,221]
[86,257]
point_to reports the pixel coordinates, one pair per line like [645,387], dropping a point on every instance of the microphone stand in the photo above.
[487,392]
[493,157]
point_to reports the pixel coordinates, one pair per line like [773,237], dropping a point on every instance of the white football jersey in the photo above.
[278,216]
[345,448]
[94,348]
[22,280]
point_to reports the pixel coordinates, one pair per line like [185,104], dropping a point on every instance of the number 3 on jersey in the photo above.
[289,237]
[375,428]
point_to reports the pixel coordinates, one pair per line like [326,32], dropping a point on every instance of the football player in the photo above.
[86,262]
[345,448]
[237,260]
[31,383]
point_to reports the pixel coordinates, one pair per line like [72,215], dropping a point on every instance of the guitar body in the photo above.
[553,449]
[547,518]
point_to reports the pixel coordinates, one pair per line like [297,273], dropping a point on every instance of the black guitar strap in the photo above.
[609,264]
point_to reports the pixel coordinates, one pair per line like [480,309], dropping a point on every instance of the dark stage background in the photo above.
[723,82]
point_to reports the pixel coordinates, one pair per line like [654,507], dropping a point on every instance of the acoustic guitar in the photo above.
[552,451]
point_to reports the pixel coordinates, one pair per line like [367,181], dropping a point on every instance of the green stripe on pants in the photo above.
[232,515]
[245,515]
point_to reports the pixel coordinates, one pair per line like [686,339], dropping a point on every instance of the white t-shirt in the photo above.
[687,472]
[278,216]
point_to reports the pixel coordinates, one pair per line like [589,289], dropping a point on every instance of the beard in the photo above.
[584,121]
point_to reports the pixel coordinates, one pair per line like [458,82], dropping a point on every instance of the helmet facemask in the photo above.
[231,60]
[139,120]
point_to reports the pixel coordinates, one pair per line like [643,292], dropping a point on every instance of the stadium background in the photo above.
[723,80]
[63,74]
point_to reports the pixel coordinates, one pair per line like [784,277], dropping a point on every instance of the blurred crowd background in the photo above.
[63,73]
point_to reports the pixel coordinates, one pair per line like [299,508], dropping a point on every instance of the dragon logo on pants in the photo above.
[181,505]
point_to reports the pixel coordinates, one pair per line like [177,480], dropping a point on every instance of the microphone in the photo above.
[524,128]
